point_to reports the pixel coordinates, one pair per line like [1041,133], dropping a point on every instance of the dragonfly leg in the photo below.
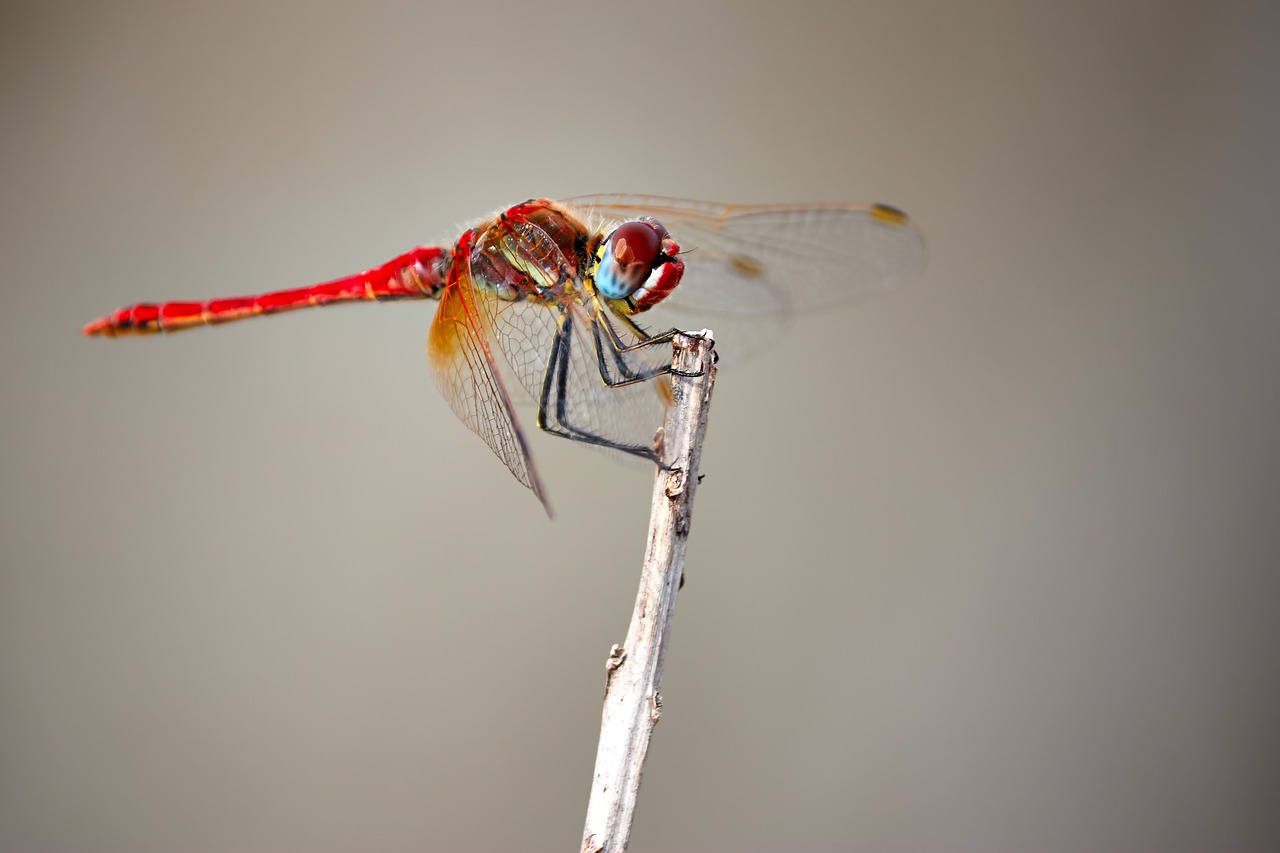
[554,401]
[618,349]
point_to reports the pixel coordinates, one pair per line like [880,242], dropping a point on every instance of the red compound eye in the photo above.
[636,243]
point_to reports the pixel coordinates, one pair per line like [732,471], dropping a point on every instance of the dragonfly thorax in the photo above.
[534,250]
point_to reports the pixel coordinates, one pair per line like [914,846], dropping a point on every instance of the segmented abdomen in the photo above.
[419,274]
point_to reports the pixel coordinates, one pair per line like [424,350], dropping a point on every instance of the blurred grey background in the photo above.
[987,564]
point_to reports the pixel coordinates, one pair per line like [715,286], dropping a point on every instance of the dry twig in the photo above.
[632,703]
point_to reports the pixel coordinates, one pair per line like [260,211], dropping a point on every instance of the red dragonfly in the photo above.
[547,297]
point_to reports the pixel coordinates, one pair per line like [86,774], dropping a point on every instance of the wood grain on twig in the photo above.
[632,703]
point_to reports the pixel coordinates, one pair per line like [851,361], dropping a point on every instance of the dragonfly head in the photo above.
[637,266]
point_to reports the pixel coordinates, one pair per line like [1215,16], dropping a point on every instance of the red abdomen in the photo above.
[419,274]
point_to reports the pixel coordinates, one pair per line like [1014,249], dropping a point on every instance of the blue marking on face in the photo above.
[608,282]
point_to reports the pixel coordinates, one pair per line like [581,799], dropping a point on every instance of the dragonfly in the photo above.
[573,304]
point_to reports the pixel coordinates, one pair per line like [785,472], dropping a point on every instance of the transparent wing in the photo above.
[568,379]
[469,379]
[773,258]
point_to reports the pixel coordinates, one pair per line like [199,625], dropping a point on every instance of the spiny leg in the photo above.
[555,397]
[607,337]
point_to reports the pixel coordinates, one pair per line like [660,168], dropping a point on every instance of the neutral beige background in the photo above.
[987,564]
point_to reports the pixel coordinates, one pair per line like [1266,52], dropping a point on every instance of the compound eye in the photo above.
[636,243]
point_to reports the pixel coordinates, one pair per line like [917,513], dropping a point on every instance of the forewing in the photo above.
[463,365]
[774,257]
